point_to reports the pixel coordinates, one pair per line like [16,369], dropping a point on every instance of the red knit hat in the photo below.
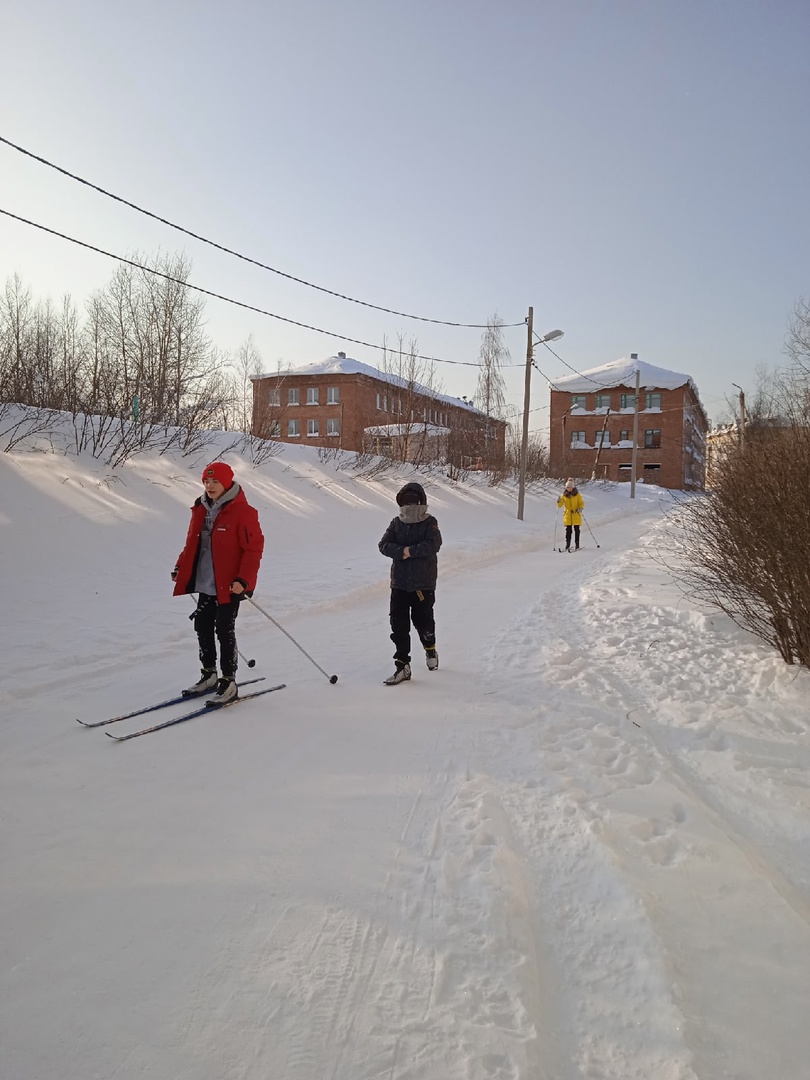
[218,470]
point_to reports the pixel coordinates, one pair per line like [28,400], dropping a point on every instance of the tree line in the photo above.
[138,355]
[135,368]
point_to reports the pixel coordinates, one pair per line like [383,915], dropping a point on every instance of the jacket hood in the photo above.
[414,489]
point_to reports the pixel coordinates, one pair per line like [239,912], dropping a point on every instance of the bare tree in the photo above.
[258,421]
[797,342]
[490,390]
[16,360]
[147,334]
[404,406]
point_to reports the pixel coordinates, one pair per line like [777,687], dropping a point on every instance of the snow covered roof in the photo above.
[622,373]
[346,365]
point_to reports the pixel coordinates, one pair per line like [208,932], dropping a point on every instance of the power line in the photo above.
[581,374]
[228,299]
[244,258]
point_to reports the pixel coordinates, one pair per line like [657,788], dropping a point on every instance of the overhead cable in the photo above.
[228,299]
[244,258]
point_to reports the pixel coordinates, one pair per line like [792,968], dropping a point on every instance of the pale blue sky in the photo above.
[638,172]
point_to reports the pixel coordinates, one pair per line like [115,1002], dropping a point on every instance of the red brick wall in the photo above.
[680,421]
[357,408]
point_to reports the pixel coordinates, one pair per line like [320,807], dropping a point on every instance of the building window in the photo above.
[578,401]
[578,439]
[652,438]
[293,428]
[628,401]
[312,395]
[292,396]
[332,395]
[648,467]
[654,401]
[603,401]
[332,427]
[625,466]
[313,427]
[602,438]
[624,436]
[273,398]
[274,431]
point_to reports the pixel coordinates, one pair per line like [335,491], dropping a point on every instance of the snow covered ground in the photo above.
[578,851]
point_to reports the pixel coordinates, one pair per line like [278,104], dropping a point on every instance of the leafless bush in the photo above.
[456,472]
[745,546]
[537,461]
[18,425]
[369,466]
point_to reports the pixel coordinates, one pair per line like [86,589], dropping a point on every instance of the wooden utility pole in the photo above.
[527,389]
[599,447]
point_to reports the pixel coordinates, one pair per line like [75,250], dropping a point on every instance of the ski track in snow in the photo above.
[554,859]
[629,788]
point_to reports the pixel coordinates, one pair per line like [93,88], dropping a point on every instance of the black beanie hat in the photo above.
[412,495]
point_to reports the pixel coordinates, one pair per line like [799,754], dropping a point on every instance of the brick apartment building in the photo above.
[343,403]
[592,417]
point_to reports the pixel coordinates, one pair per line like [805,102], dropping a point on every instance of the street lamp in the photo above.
[552,335]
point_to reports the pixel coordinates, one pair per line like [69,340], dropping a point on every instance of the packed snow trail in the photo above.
[575,852]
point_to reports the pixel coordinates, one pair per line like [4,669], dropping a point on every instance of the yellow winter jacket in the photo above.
[574,505]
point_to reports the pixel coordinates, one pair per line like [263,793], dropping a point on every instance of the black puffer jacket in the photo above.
[423,540]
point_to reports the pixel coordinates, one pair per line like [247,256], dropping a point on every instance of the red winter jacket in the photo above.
[237,544]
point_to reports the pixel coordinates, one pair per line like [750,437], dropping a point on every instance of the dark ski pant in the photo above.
[568,529]
[414,606]
[217,620]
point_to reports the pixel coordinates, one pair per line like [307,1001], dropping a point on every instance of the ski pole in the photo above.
[555,531]
[590,530]
[332,678]
[250,663]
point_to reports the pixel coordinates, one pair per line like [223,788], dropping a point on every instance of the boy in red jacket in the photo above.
[220,562]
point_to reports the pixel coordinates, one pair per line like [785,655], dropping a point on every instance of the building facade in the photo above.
[344,404]
[593,418]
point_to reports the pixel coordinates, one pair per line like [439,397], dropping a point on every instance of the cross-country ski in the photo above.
[206,710]
[178,699]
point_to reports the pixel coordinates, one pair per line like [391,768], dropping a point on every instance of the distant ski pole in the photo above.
[590,530]
[332,678]
[555,531]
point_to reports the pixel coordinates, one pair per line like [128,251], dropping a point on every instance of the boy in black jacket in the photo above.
[412,542]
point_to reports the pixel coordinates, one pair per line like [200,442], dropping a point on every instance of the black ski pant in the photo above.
[406,607]
[568,529]
[211,620]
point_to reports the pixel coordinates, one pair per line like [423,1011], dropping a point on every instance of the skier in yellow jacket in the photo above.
[572,518]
